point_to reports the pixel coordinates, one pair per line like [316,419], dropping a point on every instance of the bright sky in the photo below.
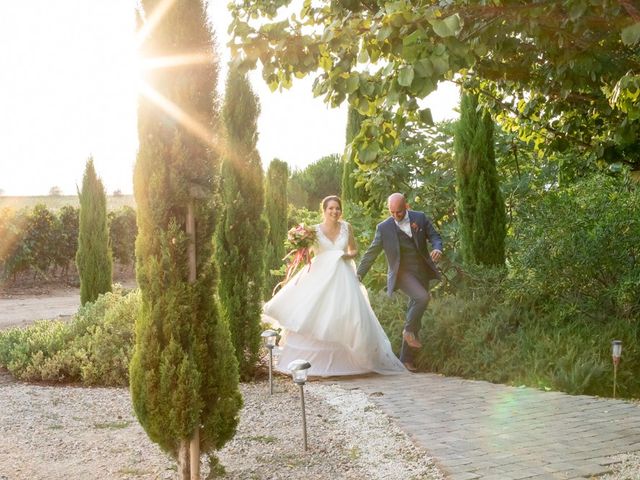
[68,91]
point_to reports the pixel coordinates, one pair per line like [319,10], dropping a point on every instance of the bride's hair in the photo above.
[326,200]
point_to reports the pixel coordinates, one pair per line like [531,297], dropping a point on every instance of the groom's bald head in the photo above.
[397,205]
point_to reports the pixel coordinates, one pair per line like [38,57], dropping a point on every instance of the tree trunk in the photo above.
[195,455]
[194,459]
[184,461]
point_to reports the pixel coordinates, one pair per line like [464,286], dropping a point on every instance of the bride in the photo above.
[325,312]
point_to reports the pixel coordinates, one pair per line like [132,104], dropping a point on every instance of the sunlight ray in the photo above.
[176,60]
[152,20]
[179,115]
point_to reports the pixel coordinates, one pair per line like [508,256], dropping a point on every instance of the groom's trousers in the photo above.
[413,286]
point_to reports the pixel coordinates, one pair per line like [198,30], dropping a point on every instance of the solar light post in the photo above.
[616,353]
[269,337]
[299,370]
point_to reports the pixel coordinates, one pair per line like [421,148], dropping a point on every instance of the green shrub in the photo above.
[390,313]
[38,240]
[94,348]
[122,234]
[483,333]
[578,250]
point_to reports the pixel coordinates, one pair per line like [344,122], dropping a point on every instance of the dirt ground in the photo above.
[21,310]
[25,302]
[69,432]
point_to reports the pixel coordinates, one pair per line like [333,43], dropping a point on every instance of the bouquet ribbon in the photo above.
[300,256]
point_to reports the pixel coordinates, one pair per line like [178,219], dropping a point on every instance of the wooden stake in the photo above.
[183,460]
[194,445]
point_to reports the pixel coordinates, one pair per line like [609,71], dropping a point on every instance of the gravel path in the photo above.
[91,433]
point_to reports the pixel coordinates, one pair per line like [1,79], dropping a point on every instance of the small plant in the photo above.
[93,349]
[112,425]
[354,453]
[263,439]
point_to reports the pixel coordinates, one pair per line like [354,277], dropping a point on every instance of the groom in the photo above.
[403,237]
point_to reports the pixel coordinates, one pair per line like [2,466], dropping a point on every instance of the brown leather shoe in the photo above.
[410,366]
[411,339]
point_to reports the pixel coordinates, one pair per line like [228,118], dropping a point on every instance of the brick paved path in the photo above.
[478,430]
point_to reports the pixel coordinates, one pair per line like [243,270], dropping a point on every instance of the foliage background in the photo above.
[40,243]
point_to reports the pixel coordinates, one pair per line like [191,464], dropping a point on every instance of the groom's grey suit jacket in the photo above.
[386,238]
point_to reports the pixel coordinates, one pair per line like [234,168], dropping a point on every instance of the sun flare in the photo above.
[145,65]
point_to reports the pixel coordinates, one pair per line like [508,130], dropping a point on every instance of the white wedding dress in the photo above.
[326,317]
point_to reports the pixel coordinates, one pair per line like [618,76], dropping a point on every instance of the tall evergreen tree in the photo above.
[240,237]
[307,187]
[481,212]
[93,256]
[349,191]
[275,207]
[183,373]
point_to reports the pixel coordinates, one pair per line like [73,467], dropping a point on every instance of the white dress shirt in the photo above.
[405,225]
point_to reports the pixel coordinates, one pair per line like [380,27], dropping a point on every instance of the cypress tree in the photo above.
[275,207]
[183,373]
[93,256]
[349,191]
[481,213]
[240,237]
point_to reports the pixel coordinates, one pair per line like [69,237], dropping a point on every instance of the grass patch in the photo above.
[267,439]
[354,453]
[135,472]
[111,425]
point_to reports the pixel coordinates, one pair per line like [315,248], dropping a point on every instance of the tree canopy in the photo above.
[93,257]
[241,231]
[558,73]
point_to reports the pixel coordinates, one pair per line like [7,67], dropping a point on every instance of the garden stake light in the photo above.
[616,352]
[298,370]
[269,337]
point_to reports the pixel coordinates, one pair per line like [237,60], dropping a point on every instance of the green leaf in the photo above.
[405,75]
[410,53]
[240,29]
[325,63]
[447,27]
[425,116]
[367,88]
[631,34]
[363,56]
[388,68]
[369,153]
[384,33]
[577,10]
[423,67]
[362,105]
[374,54]
[352,83]
[426,87]
[440,64]
[413,38]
